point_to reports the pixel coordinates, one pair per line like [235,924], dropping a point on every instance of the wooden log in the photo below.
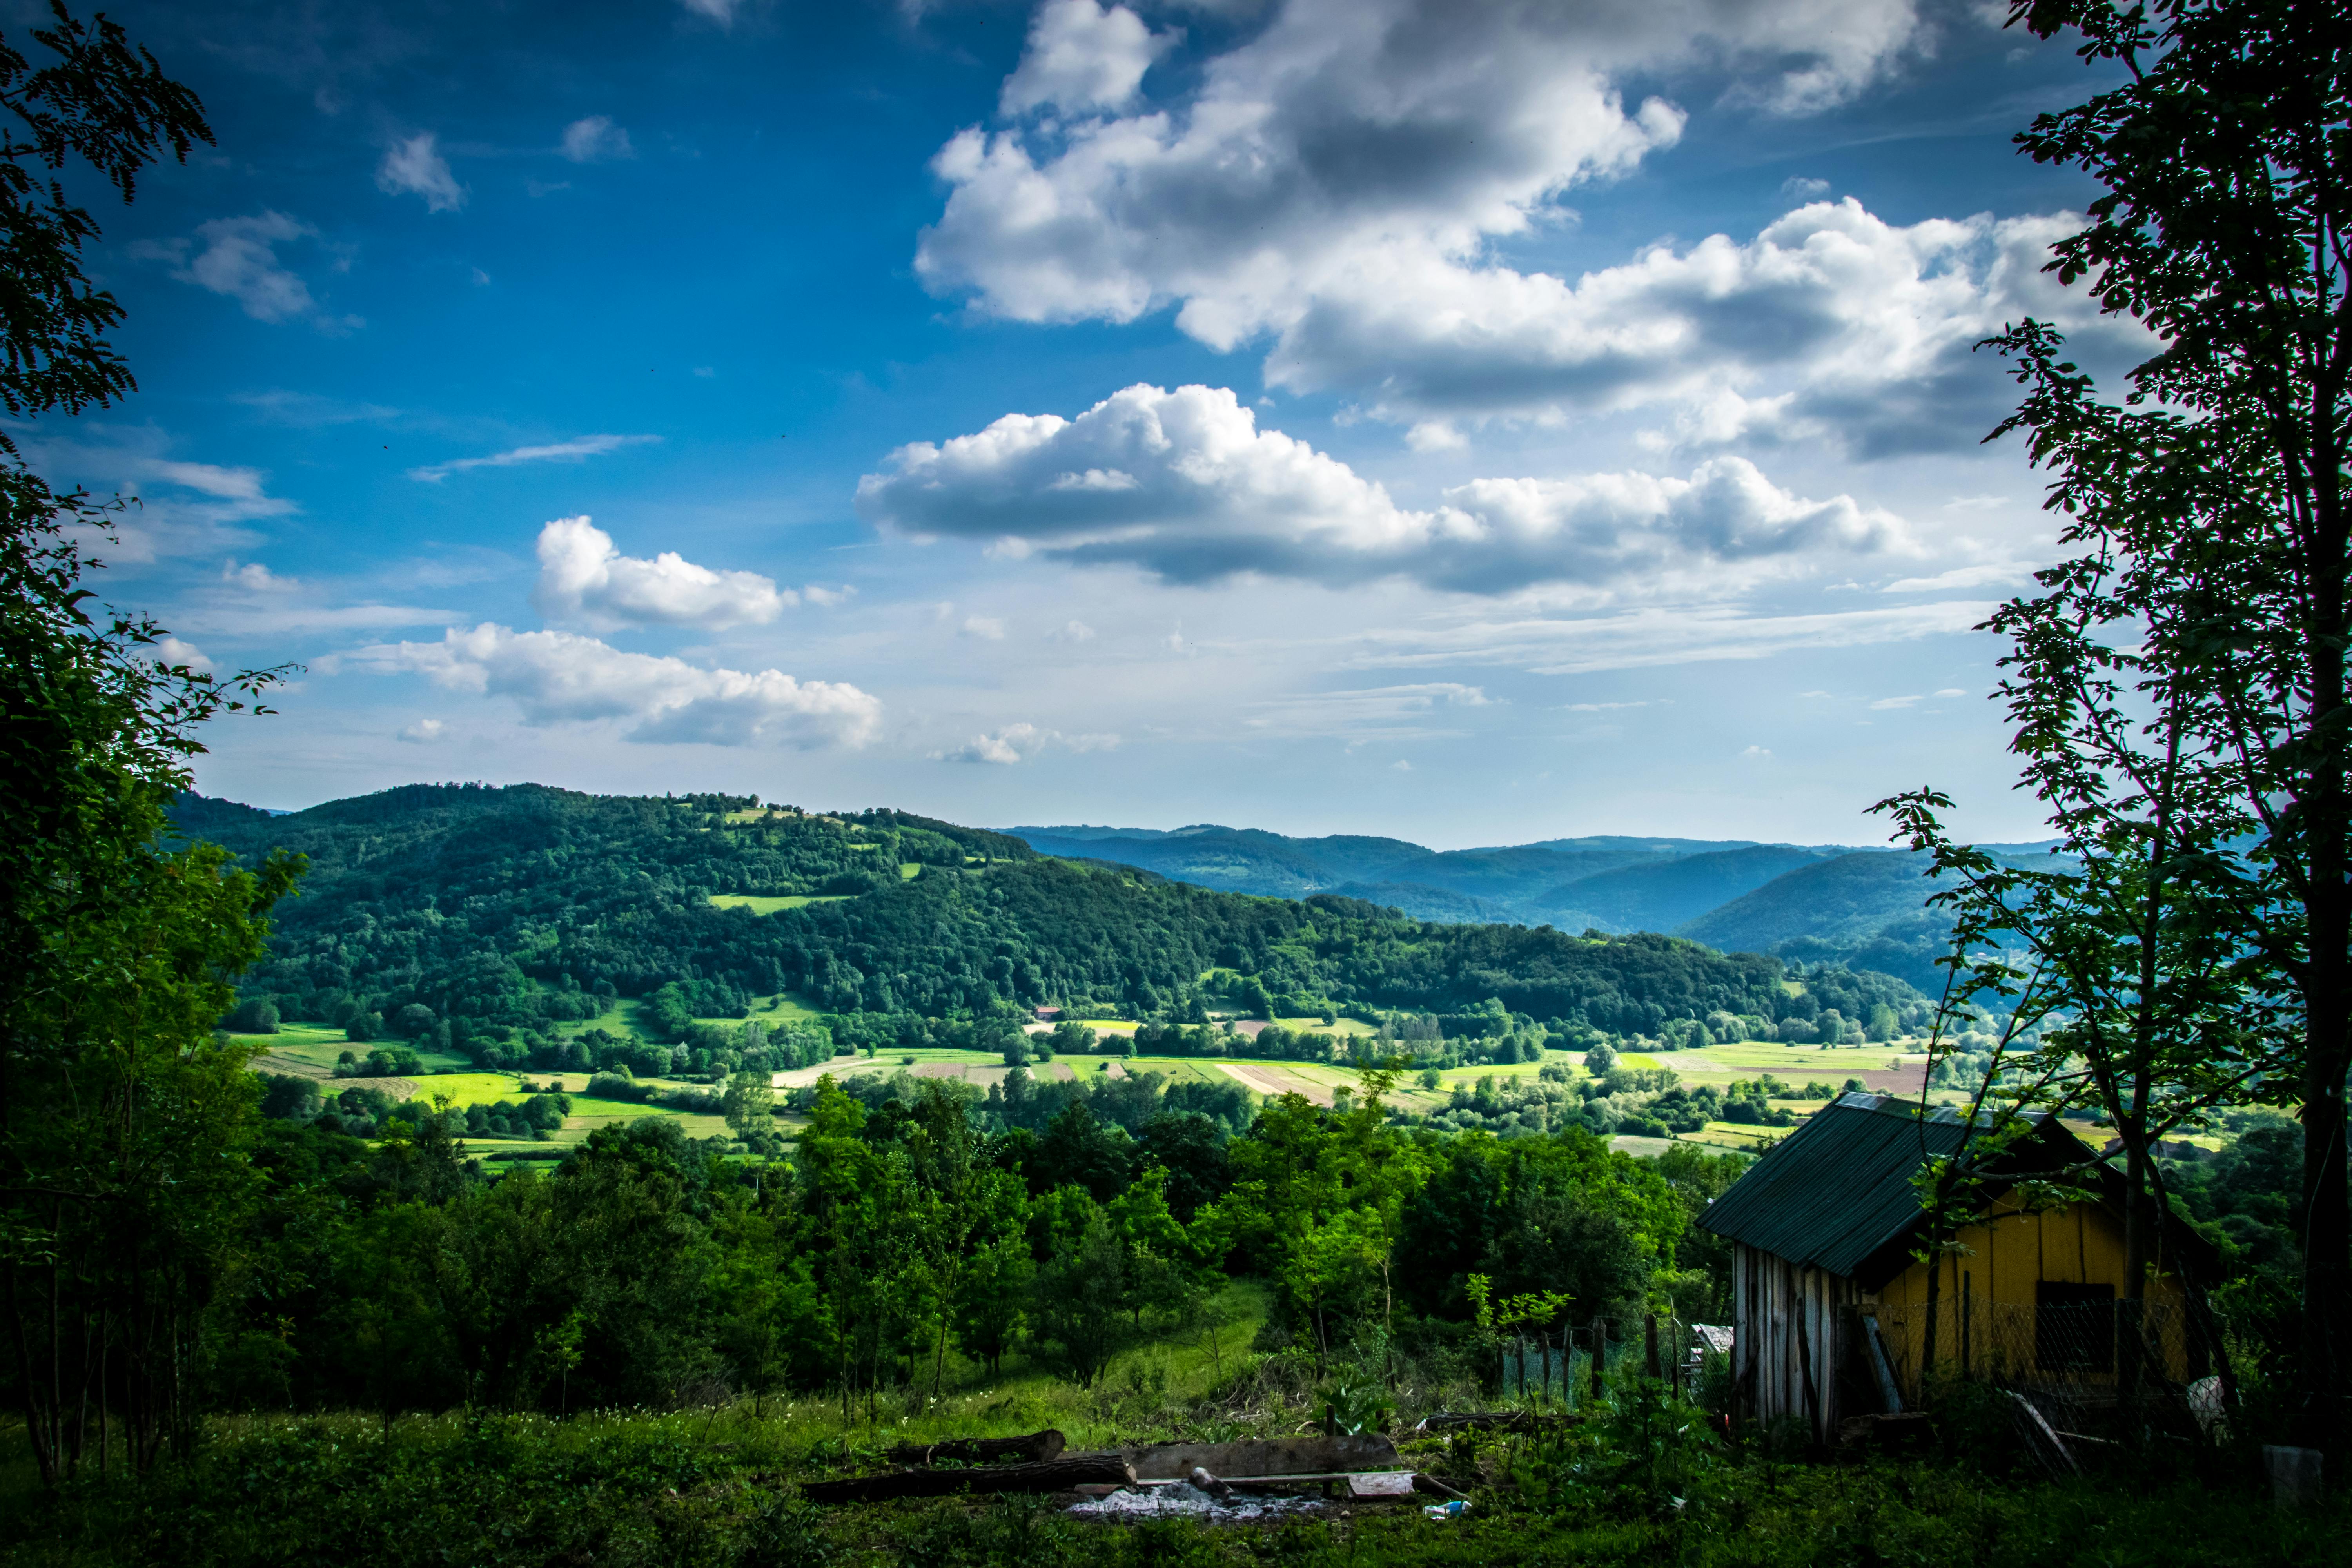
[1050,1476]
[1036,1450]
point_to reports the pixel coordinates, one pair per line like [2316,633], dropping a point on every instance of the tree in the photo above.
[2207,506]
[122,1121]
[1080,1300]
[751,1105]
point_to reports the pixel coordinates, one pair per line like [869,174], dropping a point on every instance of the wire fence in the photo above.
[2069,1353]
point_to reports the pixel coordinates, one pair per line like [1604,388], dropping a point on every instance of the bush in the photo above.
[363,1027]
[254,1015]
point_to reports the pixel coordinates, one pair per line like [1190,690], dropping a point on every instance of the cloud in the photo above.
[415,167]
[237,257]
[1757,754]
[720,11]
[309,410]
[1985,574]
[988,628]
[1074,632]
[1650,638]
[1804,187]
[1185,485]
[571,451]
[1892,703]
[559,678]
[1830,324]
[1400,766]
[255,577]
[424,731]
[595,140]
[827,597]
[184,509]
[171,651]
[584,577]
[1018,742]
[1378,713]
[1346,148]
[1951,691]
[1081,57]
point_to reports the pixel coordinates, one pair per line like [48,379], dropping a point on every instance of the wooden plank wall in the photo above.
[1787,1344]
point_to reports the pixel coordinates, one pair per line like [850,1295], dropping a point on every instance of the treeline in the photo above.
[476,918]
[914,1220]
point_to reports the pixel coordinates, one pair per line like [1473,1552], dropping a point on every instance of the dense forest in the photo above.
[484,915]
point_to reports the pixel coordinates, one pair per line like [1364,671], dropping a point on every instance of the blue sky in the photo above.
[1470,422]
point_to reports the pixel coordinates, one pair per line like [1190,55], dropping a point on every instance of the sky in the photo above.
[1467,421]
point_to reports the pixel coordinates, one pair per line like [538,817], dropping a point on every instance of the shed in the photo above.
[1831,1309]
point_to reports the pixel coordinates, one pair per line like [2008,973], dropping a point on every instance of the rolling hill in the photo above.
[1824,903]
[485,915]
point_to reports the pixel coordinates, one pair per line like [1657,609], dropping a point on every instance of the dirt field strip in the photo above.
[398,1088]
[1266,1081]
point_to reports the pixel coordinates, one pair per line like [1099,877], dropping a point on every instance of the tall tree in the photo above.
[122,1120]
[2208,505]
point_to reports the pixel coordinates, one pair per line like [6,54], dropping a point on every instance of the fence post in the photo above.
[1650,1346]
[1600,1346]
[1967,1316]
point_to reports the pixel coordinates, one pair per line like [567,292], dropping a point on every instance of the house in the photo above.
[1832,1309]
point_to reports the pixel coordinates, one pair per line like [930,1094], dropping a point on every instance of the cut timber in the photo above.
[1036,1450]
[1473,1421]
[1316,1456]
[1051,1476]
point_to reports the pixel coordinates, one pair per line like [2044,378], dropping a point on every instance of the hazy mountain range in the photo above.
[1866,907]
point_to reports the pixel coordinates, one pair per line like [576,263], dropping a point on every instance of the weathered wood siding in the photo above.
[1786,1345]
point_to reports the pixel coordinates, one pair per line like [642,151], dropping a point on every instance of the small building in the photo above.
[1830,1305]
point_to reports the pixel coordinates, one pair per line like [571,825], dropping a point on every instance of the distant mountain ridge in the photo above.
[1828,902]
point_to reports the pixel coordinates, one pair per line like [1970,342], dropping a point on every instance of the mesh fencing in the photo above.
[2069,1354]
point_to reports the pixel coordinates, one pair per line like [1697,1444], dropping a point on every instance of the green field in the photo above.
[763,904]
[317,1046]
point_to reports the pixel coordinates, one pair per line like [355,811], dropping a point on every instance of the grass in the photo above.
[764,904]
[1634,1485]
[316,1045]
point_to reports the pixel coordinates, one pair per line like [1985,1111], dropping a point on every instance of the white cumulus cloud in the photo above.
[424,731]
[414,166]
[558,678]
[1185,485]
[171,651]
[1083,56]
[583,576]
[1832,323]
[1018,742]
[1345,151]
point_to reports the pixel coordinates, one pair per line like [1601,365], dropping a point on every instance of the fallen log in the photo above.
[1035,1448]
[1475,1421]
[1049,1476]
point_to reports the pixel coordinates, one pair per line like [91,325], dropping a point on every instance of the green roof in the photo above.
[1838,1189]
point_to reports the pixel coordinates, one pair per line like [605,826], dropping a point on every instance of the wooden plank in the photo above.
[1264,1457]
[1053,1476]
[1035,1448]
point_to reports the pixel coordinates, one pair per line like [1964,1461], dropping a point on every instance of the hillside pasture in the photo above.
[766,904]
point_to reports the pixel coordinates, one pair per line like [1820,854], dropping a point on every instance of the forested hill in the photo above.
[493,908]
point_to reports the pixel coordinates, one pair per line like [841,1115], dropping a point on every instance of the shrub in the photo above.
[254,1015]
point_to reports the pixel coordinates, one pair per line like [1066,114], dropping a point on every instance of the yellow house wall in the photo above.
[2008,1251]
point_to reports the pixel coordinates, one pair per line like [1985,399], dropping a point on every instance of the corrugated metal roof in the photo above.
[1837,1189]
